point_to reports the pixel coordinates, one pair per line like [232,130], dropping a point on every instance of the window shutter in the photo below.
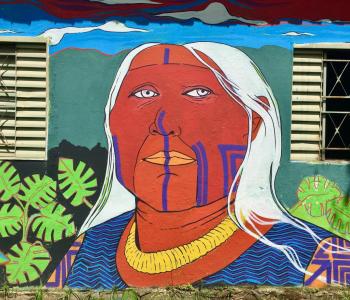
[306,131]
[24,95]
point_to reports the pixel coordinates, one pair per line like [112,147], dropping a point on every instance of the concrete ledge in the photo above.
[183,292]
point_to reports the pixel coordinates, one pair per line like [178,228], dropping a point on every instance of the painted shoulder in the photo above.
[94,266]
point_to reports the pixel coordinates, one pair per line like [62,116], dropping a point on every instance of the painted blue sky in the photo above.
[283,35]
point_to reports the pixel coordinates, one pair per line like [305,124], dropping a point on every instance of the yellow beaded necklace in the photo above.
[174,258]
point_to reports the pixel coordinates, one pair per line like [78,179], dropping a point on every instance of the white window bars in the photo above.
[336,105]
[320,122]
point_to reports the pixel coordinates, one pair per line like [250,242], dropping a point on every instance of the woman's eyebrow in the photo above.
[196,85]
[199,86]
[142,85]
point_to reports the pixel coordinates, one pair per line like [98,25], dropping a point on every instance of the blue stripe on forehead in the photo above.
[166,55]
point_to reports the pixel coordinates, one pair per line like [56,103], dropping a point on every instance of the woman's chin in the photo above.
[174,203]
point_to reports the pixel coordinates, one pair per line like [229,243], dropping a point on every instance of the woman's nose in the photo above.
[164,125]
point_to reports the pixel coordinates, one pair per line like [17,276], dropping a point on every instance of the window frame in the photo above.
[42,43]
[312,150]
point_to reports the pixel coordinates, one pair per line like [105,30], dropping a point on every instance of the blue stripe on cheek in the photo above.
[167,159]
[234,169]
[225,167]
[205,173]
[118,170]
[229,155]
[199,175]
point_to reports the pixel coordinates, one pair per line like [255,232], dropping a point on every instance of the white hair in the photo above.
[255,200]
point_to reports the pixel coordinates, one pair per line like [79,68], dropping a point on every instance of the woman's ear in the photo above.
[257,120]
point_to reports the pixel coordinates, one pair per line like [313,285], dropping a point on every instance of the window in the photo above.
[321,102]
[23,97]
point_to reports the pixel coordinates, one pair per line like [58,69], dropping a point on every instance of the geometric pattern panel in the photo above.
[330,263]
[59,276]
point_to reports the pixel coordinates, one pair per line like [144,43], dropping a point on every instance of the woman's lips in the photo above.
[174,158]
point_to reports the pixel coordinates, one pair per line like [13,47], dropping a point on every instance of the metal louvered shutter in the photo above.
[23,98]
[306,129]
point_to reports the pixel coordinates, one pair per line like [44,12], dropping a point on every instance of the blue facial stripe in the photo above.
[205,172]
[166,55]
[199,175]
[167,159]
[118,170]
[233,162]
[229,155]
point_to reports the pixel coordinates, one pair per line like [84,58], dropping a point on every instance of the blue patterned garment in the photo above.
[94,266]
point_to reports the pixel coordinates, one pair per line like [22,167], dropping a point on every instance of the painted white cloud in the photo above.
[111,2]
[326,21]
[56,34]
[214,13]
[6,31]
[294,33]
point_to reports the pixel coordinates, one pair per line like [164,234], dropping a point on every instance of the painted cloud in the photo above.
[6,31]
[294,33]
[56,34]
[215,13]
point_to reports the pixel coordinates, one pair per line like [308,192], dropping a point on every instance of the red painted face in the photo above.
[179,137]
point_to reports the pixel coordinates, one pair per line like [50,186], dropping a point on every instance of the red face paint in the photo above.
[170,117]
[180,139]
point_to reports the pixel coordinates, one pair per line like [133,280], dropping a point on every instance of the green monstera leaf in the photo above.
[10,181]
[10,220]
[76,183]
[314,192]
[52,224]
[27,262]
[38,191]
[338,215]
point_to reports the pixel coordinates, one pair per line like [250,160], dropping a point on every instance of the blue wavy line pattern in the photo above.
[261,264]
[95,267]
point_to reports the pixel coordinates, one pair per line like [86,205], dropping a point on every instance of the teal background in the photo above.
[80,81]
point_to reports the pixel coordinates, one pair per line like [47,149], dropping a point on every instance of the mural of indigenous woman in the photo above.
[194,148]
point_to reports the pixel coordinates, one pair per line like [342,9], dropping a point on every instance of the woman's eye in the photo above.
[145,94]
[198,93]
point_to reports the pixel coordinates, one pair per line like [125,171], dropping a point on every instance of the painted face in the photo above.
[179,137]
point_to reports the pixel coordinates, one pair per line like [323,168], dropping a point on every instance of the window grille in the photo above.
[23,98]
[321,102]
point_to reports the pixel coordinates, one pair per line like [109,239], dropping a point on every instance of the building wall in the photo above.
[60,224]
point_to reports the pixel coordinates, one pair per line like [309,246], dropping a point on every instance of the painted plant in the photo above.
[323,202]
[29,206]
